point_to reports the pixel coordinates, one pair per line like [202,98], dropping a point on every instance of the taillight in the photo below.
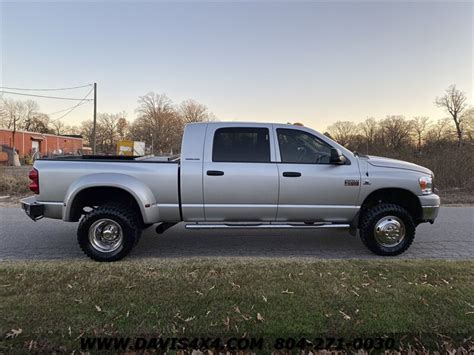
[34,184]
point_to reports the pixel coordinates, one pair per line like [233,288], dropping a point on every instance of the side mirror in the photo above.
[337,157]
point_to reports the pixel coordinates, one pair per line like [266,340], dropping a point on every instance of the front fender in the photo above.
[140,192]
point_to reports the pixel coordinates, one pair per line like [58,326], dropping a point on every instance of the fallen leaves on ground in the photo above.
[346,316]
[14,333]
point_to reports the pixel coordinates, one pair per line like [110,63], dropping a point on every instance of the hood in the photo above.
[397,164]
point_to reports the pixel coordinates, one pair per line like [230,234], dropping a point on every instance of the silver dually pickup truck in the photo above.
[236,175]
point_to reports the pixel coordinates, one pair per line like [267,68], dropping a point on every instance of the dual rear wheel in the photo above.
[109,232]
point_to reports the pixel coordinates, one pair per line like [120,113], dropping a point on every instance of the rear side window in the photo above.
[241,145]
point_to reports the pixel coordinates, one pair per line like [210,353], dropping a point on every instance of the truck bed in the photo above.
[157,177]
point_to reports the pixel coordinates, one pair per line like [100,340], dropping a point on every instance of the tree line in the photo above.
[159,123]
[446,146]
[396,132]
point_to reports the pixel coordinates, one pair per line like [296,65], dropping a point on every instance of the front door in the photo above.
[35,147]
[240,179]
[311,188]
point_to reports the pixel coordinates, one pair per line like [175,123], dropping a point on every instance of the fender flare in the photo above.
[140,192]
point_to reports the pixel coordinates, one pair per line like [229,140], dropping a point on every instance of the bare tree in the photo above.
[39,123]
[454,102]
[106,132]
[13,113]
[419,124]
[122,127]
[343,132]
[3,114]
[58,127]
[396,131]
[72,130]
[154,105]
[110,128]
[23,115]
[31,112]
[369,129]
[440,131]
[468,122]
[158,124]
[192,111]
[87,131]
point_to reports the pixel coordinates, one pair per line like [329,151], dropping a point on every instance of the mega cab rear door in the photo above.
[240,176]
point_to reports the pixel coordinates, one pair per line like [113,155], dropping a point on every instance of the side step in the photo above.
[266,226]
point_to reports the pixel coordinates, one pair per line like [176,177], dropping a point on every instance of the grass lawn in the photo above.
[50,305]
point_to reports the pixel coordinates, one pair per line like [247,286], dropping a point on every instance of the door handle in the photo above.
[291,174]
[215,173]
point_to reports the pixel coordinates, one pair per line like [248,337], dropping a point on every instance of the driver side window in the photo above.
[301,147]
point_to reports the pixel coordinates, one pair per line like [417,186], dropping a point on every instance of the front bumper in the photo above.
[33,209]
[430,207]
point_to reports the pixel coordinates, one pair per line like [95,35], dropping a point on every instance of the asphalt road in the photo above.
[451,237]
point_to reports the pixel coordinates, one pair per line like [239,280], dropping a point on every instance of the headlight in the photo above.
[426,185]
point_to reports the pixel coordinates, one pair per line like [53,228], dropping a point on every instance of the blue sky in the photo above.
[313,62]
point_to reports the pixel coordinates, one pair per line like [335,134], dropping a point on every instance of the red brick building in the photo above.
[27,143]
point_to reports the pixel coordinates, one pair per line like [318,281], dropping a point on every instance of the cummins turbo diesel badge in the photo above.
[351,182]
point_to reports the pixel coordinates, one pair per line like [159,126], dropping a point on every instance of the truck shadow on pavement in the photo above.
[179,242]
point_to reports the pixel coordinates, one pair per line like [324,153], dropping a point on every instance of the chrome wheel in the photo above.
[389,231]
[105,235]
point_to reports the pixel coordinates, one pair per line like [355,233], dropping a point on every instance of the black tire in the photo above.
[374,215]
[121,215]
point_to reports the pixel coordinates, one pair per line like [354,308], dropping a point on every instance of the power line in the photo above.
[74,107]
[50,89]
[67,113]
[47,97]
[67,108]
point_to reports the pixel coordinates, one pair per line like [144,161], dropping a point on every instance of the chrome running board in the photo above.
[266,226]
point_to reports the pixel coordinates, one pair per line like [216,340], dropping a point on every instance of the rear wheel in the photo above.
[387,229]
[109,232]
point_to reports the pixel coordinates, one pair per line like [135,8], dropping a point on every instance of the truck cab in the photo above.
[266,172]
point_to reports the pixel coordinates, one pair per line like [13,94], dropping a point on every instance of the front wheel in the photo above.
[387,229]
[109,232]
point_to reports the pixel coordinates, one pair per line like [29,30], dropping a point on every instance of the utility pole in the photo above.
[94,129]
[13,135]
[151,143]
